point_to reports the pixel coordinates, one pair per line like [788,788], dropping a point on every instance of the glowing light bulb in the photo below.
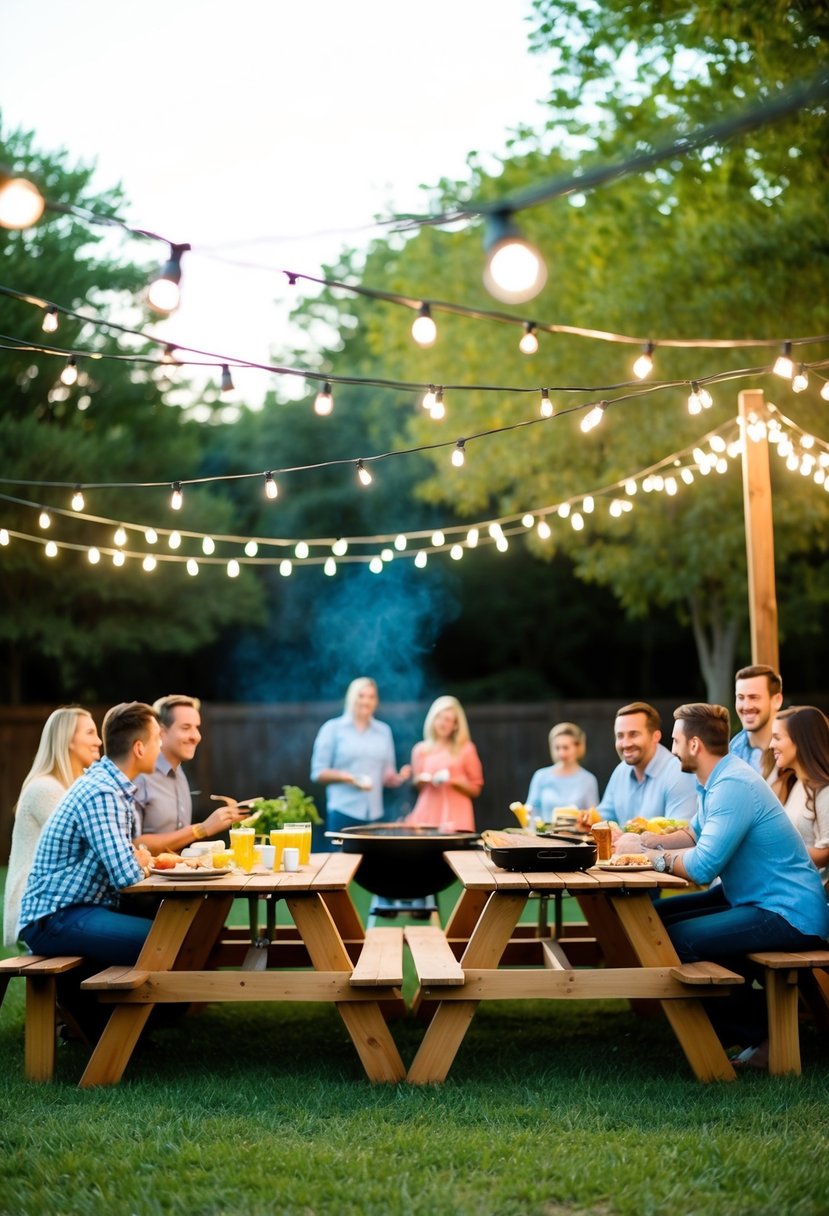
[78,502]
[687,476]
[717,443]
[502,544]
[456,553]
[51,549]
[529,342]
[44,519]
[429,398]
[528,520]
[163,293]
[544,530]
[438,539]
[643,366]
[174,540]
[824,392]
[330,567]
[593,417]
[514,271]
[563,510]
[340,547]
[376,565]
[120,536]
[588,505]
[438,410]
[671,486]
[4,536]
[801,380]
[251,548]
[424,330]
[400,543]
[694,403]
[118,558]
[21,203]
[227,380]
[301,550]
[363,474]
[271,488]
[783,365]
[50,321]
[546,405]
[387,555]
[472,538]
[459,455]
[169,356]
[208,546]
[421,559]
[192,567]
[577,521]
[285,567]
[176,498]
[616,508]
[151,536]
[149,563]
[93,556]
[69,375]
[324,401]
[233,568]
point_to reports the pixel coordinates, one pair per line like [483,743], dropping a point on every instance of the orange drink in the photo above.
[241,842]
[604,841]
[305,846]
[277,838]
[294,835]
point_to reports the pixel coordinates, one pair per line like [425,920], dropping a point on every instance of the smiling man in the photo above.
[758,696]
[649,781]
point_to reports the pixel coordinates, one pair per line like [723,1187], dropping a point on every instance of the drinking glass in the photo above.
[277,838]
[241,842]
[294,836]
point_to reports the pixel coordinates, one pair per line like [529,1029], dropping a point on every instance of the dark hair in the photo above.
[642,707]
[774,678]
[124,724]
[808,730]
[708,723]
[165,707]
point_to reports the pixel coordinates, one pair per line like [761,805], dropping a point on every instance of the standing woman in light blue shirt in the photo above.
[354,758]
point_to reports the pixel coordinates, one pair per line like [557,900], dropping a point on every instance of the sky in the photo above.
[250,130]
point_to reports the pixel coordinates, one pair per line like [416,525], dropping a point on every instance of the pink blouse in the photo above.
[442,805]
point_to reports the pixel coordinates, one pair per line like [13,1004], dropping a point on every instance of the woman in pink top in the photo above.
[447,770]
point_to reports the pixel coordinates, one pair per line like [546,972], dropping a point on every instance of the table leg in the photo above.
[451,1021]
[159,953]
[689,1021]
[363,1020]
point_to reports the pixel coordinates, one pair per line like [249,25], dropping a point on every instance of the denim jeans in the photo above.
[101,934]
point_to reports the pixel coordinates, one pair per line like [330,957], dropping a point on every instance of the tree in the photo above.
[112,426]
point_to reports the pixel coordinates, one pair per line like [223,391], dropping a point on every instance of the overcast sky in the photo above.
[228,123]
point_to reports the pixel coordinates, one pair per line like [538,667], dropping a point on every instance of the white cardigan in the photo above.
[34,807]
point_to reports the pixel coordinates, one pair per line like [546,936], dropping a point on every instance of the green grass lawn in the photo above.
[549,1109]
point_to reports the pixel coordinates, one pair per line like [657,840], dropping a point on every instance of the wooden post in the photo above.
[759,526]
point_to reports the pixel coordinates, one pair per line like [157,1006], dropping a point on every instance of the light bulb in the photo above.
[376,565]
[495,531]
[78,502]
[227,380]
[546,405]
[694,403]
[120,537]
[118,558]
[630,486]
[588,505]
[363,474]
[387,555]
[192,567]
[458,455]
[324,401]
[233,568]
[824,392]
[176,498]
[50,321]
[44,519]
[208,546]
[705,399]
[163,294]
[563,510]
[528,520]
[285,567]
[169,356]
[340,547]
[577,521]
[514,271]
[21,203]
[456,553]
[69,375]
[151,536]
[330,567]
[421,559]
[400,543]
[529,342]
[438,409]
[149,563]
[616,508]
[438,539]
[251,548]
[801,380]
[593,417]
[424,330]
[174,540]
[544,530]
[643,366]
[502,544]
[301,550]
[472,538]
[783,365]
[429,398]
[51,549]
[93,556]
[271,488]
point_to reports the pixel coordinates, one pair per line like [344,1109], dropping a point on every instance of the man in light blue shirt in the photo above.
[758,696]
[649,782]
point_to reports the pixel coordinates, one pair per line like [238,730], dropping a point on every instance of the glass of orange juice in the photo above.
[305,846]
[277,838]
[241,842]
[294,837]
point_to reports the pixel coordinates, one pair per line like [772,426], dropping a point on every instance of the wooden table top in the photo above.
[324,872]
[477,871]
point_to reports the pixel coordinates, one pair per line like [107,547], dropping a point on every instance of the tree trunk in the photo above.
[715,635]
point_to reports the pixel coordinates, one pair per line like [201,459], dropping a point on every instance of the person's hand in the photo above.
[651,840]
[422,779]
[144,857]
[440,777]
[222,818]
[405,773]
[582,823]
[628,842]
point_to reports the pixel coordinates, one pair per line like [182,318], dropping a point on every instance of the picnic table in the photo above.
[639,961]
[190,957]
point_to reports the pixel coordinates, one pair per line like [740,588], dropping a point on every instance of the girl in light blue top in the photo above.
[565,782]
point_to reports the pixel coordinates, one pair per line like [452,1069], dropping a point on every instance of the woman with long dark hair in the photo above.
[800,744]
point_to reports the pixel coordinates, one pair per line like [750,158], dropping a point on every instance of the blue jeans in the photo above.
[101,934]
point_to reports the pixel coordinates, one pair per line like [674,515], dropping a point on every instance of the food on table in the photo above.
[630,859]
[508,840]
[658,824]
[637,824]
[521,812]
[171,861]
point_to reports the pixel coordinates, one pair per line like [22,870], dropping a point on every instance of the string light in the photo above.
[164,293]
[301,550]
[44,519]
[699,399]
[438,409]
[564,510]
[176,498]
[285,567]
[593,417]
[118,558]
[546,408]
[93,556]
[400,543]
[472,538]
[69,375]
[21,203]
[514,271]
[456,553]
[421,559]
[643,366]
[588,505]
[529,342]
[424,330]
[208,546]
[387,555]
[149,563]
[251,548]
[120,537]
[429,398]
[528,520]
[50,321]
[174,540]
[233,568]
[363,474]
[340,547]
[330,567]
[78,502]
[271,488]
[801,381]
[438,539]
[577,521]
[227,380]
[192,567]
[324,401]
[376,565]
[544,530]
[459,455]
[824,392]
[151,536]
[51,549]
[783,365]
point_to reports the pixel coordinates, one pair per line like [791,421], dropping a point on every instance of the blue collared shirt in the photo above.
[365,753]
[548,789]
[741,746]
[744,836]
[85,853]
[665,791]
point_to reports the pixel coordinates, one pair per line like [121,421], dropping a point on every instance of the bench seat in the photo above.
[40,974]
[380,964]
[781,970]
[435,964]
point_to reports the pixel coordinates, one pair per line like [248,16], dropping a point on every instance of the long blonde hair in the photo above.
[52,757]
[460,735]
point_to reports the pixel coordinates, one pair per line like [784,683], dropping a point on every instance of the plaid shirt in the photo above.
[85,853]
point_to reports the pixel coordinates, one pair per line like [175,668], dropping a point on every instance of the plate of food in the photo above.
[187,873]
[626,861]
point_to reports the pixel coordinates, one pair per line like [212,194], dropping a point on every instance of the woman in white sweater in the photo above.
[68,745]
[800,744]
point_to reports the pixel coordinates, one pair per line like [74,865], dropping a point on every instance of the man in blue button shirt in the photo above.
[649,781]
[758,695]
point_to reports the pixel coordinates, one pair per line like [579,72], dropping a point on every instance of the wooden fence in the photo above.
[250,750]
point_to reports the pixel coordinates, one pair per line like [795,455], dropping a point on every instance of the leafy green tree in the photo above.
[112,426]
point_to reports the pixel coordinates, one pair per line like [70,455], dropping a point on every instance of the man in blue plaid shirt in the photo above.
[85,855]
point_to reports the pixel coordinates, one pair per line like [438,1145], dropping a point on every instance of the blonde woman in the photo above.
[447,770]
[564,782]
[68,745]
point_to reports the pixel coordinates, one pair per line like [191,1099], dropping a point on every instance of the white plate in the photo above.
[188,874]
[608,865]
